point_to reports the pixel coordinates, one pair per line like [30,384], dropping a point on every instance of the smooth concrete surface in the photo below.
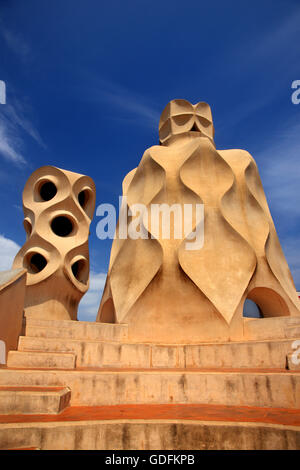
[271,328]
[33,400]
[108,387]
[150,434]
[12,294]
[69,329]
[255,354]
[34,360]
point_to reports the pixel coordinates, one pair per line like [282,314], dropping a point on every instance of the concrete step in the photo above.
[293,321]
[253,354]
[92,353]
[100,387]
[293,332]
[40,359]
[155,427]
[33,400]
[269,328]
[75,330]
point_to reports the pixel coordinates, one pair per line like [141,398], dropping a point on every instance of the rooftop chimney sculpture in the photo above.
[58,209]
[167,293]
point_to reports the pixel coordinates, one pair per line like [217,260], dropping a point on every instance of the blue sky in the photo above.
[87,80]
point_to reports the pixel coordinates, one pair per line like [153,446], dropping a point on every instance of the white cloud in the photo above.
[280,170]
[13,115]
[261,53]
[8,251]
[279,167]
[17,116]
[274,42]
[89,304]
[291,248]
[10,143]
[134,106]
[13,121]
[16,42]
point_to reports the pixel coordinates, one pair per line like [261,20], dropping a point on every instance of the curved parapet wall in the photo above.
[12,293]
[58,209]
[168,293]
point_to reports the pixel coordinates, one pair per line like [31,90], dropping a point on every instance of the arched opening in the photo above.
[251,310]
[269,303]
[108,312]
[83,198]
[80,270]
[47,190]
[62,226]
[36,263]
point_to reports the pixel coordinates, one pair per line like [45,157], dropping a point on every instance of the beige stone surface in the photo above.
[75,330]
[293,331]
[12,293]
[271,328]
[38,401]
[107,387]
[254,354]
[48,360]
[150,435]
[58,207]
[166,293]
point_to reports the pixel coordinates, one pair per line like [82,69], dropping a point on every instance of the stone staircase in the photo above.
[33,400]
[80,385]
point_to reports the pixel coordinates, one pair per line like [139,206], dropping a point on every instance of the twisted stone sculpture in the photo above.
[166,293]
[58,209]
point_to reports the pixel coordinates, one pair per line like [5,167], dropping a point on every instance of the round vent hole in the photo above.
[48,191]
[62,226]
[37,263]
